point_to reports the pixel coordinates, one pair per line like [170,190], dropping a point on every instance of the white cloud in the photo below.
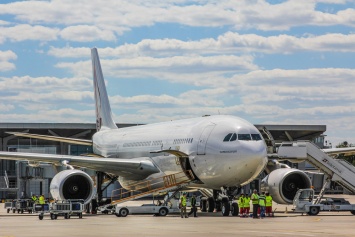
[86,33]
[28,32]
[6,56]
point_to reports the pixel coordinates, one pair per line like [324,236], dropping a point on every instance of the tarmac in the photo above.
[284,223]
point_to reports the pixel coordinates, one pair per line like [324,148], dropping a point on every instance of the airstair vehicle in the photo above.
[145,188]
[336,170]
[304,202]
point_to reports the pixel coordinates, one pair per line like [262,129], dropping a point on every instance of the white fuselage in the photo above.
[216,160]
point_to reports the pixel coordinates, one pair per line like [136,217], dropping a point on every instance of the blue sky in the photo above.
[270,62]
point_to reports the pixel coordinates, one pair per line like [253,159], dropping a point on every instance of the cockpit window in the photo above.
[226,139]
[256,137]
[234,137]
[244,137]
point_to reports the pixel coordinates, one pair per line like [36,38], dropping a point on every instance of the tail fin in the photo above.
[104,119]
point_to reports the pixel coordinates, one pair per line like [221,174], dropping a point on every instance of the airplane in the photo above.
[222,152]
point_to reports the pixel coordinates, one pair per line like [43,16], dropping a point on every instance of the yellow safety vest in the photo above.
[268,200]
[41,200]
[241,202]
[262,200]
[255,197]
[247,202]
[183,201]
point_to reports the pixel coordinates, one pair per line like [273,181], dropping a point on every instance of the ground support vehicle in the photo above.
[123,211]
[66,208]
[24,205]
[41,209]
[305,202]
[10,206]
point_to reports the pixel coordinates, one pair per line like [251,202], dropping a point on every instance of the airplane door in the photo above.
[201,146]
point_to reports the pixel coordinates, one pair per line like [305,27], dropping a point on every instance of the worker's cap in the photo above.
[267,193]
[242,194]
[255,190]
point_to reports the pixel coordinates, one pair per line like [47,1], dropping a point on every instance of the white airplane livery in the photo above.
[222,152]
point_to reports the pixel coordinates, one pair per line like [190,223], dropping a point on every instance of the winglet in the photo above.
[104,118]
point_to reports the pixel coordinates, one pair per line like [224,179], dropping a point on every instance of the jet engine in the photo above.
[72,184]
[282,184]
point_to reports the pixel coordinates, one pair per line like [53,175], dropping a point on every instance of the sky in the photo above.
[267,61]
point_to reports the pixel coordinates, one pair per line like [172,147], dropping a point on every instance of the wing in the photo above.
[346,151]
[136,168]
[54,138]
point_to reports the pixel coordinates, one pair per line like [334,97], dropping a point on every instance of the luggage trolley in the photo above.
[67,208]
[10,206]
[23,205]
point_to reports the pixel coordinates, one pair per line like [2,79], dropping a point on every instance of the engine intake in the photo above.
[282,184]
[72,184]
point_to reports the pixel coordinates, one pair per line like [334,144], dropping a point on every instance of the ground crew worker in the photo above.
[34,198]
[255,201]
[183,206]
[193,206]
[42,201]
[262,205]
[246,205]
[241,205]
[268,204]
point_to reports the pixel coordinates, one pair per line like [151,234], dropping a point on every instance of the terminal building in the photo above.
[21,179]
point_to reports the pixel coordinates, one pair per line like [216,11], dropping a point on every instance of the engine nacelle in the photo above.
[72,184]
[282,184]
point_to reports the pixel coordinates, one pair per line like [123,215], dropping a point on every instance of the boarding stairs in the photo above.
[337,170]
[158,185]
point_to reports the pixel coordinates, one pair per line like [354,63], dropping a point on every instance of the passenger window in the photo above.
[226,139]
[234,137]
[256,137]
[244,137]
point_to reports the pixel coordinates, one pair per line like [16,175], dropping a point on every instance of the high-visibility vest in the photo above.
[34,198]
[247,202]
[262,200]
[41,200]
[183,201]
[255,198]
[241,202]
[268,200]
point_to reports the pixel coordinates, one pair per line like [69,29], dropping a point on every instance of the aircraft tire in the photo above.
[225,208]
[235,209]
[203,205]
[210,204]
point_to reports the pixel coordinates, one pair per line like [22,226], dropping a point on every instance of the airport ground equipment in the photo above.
[41,209]
[10,206]
[123,211]
[24,205]
[305,202]
[67,208]
[336,170]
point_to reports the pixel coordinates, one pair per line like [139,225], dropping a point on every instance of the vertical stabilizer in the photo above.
[104,119]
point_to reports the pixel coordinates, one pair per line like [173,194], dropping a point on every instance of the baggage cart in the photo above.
[41,209]
[10,206]
[66,208]
[24,205]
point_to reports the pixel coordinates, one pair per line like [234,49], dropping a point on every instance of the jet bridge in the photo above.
[337,170]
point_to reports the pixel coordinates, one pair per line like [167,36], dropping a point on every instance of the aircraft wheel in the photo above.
[225,208]
[313,211]
[163,211]
[203,205]
[235,209]
[210,204]
[123,212]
